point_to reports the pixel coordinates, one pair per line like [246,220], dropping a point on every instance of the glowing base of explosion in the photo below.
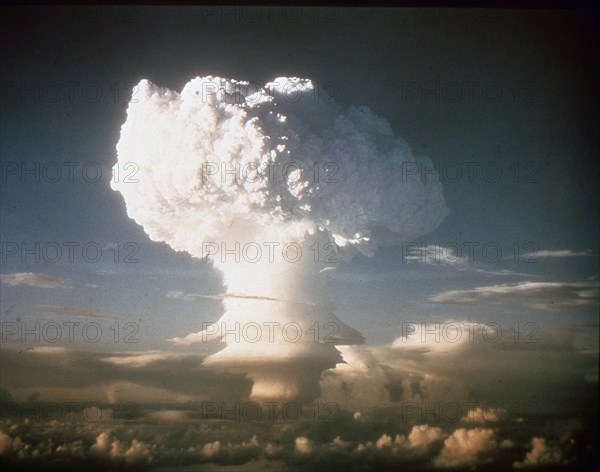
[278,326]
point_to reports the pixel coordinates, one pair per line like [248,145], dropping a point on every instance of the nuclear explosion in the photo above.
[271,186]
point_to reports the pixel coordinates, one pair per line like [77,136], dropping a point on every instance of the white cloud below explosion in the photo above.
[370,390]
[465,447]
[541,454]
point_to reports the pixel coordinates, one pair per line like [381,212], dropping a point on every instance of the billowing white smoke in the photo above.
[282,157]
[261,179]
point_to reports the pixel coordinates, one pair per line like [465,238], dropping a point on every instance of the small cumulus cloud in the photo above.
[273,450]
[136,452]
[303,446]
[211,449]
[424,435]
[466,447]
[5,443]
[480,415]
[541,454]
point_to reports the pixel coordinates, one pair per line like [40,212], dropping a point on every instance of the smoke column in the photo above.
[267,183]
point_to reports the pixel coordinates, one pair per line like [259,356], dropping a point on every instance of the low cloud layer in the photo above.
[417,403]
